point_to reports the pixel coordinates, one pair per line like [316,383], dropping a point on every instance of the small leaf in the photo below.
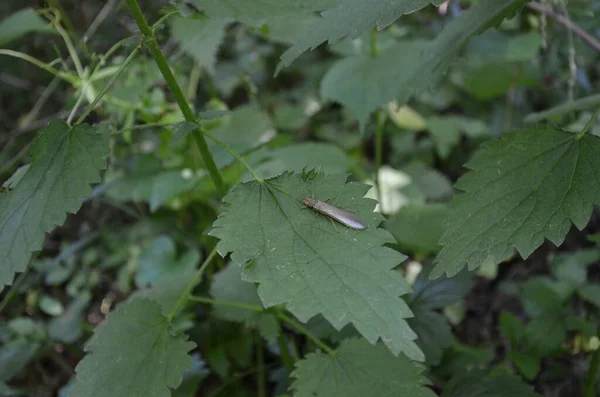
[158,259]
[590,293]
[419,227]
[132,353]
[545,335]
[65,162]
[351,19]
[199,38]
[14,356]
[228,285]
[302,259]
[167,290]
[20,23]
[67,327]
[192,378]
[150,182]
[512,328]
[476,384]
[358,369]
[437,294]
[434,334]
[526,186]
[527,365]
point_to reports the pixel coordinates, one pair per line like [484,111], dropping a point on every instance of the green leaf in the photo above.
[440,293]
[351,19]
[358,369]
[192,378]
[375,81]
[20,23]
[228,286]
[167,290]
[64,163]
[199,38]
[406,68]
[67,328]
[545,335]
[255,12]
[539,298]
[476,384]
[150,182]
[245,128]
[434,334]
[419,227]
[133,353]
[445,131]
[512,328]
[590,293]
[159,259]
[524,187]
[296,157]
[571,267]
[302,259]
[497,46]
[527,365]
[14,356]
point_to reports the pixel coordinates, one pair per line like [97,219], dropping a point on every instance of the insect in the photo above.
[342,216]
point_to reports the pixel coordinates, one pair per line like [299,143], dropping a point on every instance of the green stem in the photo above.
[379,152]
[237,305]
[284,349]
[78,103]
[163,65]
[260,374]
[302,329]
[565,108]
[188,290]
[373,43]
[16,54]
[70,48]
[112,80]
[142,127]
[592,375]
[589,124]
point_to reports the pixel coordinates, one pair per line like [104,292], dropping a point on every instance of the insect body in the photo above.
[344,217]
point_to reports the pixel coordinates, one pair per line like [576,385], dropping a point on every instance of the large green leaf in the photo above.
[351,18]
[133,353]
[405,68]
[65,162]
[524,187]
[303,260]
[199,38]
[358,369]
[256,12]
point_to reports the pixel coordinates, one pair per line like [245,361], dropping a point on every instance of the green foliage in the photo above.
[20,23]
[535,186]
[65,162]
[476,384]
[351,18]
[228,286]
[305,261]
[358,369]
[133,353]
[199,38]
[419,227]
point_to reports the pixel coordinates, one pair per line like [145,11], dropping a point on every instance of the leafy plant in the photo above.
[196,263]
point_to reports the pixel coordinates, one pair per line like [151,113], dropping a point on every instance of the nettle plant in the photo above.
[281,275]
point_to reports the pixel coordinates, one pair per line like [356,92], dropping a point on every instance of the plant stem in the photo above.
[589,124]
[188,290]
[593,374]
[142,127]
[237,305]
[284,349]
[104,90]
[373,43]
[302,329]
[188,114]
[16,54]
[379,152]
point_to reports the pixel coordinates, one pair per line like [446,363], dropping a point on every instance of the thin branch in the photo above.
[566,22]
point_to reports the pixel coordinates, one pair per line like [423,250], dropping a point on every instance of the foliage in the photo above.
[184,140]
